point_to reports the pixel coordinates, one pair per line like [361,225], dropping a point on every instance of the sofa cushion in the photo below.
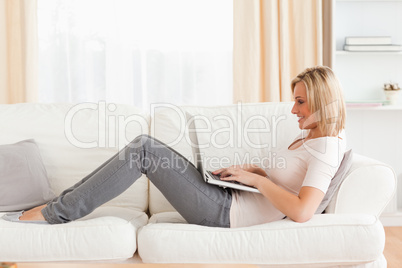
[75,139]
[23,177]
[108,233]
[336,181]
[326,238]
[232,134]
[167,217]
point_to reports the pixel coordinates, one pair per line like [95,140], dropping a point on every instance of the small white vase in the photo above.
[392,96]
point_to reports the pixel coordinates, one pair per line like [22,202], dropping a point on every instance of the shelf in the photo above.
[372,105]
[368,53]
[379,108]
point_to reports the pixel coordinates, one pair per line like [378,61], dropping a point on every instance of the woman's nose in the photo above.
[294,110]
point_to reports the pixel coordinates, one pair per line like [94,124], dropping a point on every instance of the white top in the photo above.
[313,164]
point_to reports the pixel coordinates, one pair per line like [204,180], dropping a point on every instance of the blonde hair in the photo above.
[325,98]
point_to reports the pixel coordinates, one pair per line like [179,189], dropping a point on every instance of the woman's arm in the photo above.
[298,208]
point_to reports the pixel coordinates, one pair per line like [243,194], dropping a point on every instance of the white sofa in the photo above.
[141,226]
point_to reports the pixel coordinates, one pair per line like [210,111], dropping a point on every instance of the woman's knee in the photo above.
[145,141]
[141,139]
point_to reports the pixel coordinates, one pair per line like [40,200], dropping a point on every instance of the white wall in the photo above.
[377,133]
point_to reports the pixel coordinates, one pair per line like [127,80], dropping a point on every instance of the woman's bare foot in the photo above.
[34,214]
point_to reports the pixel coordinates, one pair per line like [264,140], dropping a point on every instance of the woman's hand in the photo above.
[246,167]
[239,174]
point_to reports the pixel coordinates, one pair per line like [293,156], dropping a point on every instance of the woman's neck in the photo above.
[314,133]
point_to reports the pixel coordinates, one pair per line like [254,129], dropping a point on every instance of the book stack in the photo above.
[370,43]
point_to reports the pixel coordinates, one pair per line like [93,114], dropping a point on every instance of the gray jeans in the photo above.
[177,178]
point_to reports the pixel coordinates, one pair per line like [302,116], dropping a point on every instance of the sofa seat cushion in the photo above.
[327,238]
[108,233]
[167,217]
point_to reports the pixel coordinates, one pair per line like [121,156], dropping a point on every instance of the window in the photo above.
[136,51]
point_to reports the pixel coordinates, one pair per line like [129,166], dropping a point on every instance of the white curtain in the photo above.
[274,40]
[136,51]
[18,51]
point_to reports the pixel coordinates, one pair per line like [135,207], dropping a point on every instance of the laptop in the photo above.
[208,176]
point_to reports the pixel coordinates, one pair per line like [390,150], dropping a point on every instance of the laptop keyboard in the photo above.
[215,177]
[218,177]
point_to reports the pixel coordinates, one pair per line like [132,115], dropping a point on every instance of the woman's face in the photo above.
[300,108]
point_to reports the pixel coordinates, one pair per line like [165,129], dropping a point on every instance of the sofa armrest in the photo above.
[368,187]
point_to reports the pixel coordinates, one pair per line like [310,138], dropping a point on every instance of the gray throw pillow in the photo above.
[23,177]
[336,181]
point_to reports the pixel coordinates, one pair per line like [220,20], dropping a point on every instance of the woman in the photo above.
[295,191]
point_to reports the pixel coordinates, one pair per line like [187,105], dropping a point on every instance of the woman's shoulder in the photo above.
[328,149]
[332,140]
[325,140]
